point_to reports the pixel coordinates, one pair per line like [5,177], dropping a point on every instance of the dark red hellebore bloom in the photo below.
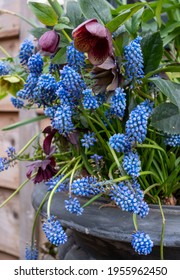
[49,41]
[95,39]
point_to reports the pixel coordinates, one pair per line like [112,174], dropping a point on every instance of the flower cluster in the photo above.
[4,68]
[135,64]
[101,140]
[54,231]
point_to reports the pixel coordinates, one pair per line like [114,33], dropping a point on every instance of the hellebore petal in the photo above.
[45,169]
[106,76]
[49,41]
[95,39]
[48,139]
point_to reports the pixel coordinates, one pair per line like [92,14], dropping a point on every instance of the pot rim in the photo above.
[95,219]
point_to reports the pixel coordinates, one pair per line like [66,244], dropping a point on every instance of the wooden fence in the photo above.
[17,215]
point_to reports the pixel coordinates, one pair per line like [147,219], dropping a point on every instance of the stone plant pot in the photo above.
[105,232]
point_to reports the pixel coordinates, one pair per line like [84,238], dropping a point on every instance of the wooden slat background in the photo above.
[17,215]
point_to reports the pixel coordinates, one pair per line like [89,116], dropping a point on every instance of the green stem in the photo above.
[151,187]
[163,229]
[66,35]
[17,190]
[116,160]
[102,125]
[72,175]
[56,7]
[135,222]
[36,216]
[28,144]
[17,15]
[54,189]
[106,120]
[95,130]
[4,51]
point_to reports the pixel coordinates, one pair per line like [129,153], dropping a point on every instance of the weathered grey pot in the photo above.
[105,232]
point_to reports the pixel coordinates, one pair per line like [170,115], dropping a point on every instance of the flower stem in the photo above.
[163,229]
[17,190]
[4,51]
[2,11]
[36,216]
[28,144]
[72,175]
[66,35]
[54,189]
[135,222]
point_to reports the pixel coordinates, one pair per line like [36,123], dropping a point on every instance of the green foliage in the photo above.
[74,13]
[44,13]
[10,84]
[166,118]
[170,89]
[99,9]
[122,17]
[152,49]
[60,57]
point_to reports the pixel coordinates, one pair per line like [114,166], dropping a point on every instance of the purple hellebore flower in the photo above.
[49,41]
[95,39]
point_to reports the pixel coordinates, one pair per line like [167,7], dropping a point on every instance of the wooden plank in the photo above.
[4,256]
[9,226]
[10,177]
[9,33]
[6,105]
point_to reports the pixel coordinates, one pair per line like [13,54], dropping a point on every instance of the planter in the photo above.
[105,233]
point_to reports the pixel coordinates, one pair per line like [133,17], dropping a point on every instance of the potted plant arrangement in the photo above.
[107,78]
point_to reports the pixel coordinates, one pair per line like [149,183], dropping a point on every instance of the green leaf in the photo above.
[44,13]
[132,25]
[169,38]
[152,49]
[60,57]
[25,122]
[166,118]
[38,32]
[170,89]
[74,13]
[169,28]
[116,22]
[61,26]
[11,79]
[98,9]
[10,84]
[171,67]
[158,11]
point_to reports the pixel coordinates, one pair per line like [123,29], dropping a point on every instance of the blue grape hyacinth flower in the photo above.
[142,243]
[35,64]
[85,186]
[136,126]
[26,51]
[31,252]
[62,119]
[54,231]
[132,164]
[72,81]
[4,68]
[118,103]
[134,61]
[172,140]
[73,206]
[17,103]
[88,140]
[89,101]
[75,59]
[120,143]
